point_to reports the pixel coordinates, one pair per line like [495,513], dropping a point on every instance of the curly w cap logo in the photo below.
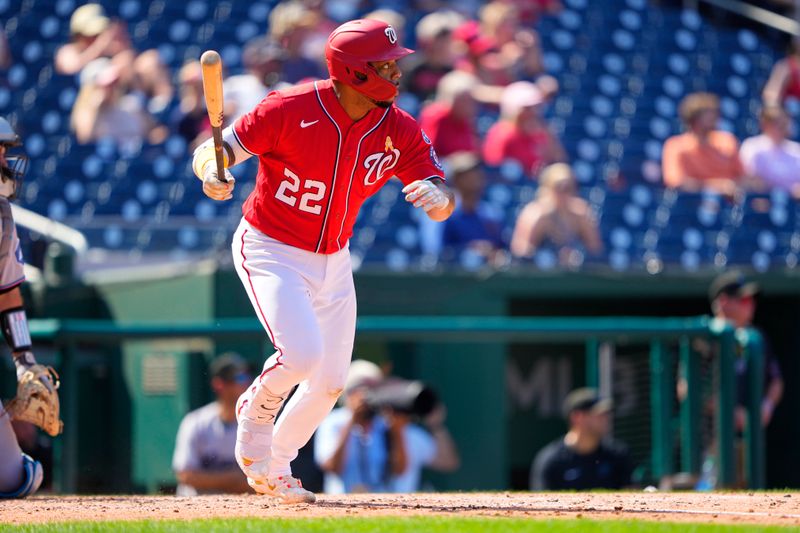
[390,34]
[378,163]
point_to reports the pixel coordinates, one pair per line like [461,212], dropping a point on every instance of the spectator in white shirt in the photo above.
[263,61]
[203,460]
[771,160]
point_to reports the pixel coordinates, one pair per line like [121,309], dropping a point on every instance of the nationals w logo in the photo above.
[391,34]
[378,163]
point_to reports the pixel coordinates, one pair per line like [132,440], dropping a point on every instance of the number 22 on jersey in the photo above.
[313,192]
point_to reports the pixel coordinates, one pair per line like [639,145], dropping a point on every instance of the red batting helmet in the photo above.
[355,44]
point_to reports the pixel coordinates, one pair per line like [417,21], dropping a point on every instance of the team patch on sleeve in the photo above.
[425,136]
[435,159]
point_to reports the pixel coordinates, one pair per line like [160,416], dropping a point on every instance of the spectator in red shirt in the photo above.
[703,157]
[521,134]
[480,54]
[449,121]
[784,79]
[531,10]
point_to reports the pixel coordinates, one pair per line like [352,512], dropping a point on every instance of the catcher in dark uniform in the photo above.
[36,400]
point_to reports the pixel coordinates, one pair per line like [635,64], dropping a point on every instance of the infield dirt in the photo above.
[773,508]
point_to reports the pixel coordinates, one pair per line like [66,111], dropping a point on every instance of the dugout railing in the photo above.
[599,335]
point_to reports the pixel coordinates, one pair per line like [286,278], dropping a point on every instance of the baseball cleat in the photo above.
[286,488]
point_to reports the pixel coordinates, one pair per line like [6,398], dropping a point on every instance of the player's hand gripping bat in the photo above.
[212,89]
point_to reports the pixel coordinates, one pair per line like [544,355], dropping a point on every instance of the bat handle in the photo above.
[217,134]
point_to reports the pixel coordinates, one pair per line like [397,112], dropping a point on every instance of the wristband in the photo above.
[15,329]
[206,154]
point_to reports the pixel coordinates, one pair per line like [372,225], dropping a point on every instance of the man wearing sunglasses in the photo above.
[204,461]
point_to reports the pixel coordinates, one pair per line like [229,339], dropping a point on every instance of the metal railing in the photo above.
[594,333]
[755,13]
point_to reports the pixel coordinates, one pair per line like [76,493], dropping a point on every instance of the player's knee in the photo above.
[334,393]
[33,474]
[303,358]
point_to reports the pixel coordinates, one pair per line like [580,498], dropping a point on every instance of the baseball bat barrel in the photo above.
[211,64]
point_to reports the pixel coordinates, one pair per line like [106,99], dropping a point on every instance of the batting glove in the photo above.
[214,188]
[426,195]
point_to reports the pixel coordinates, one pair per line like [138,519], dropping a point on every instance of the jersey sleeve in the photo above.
[12,271]
[258,131]
[421,444]
[540,470]
[185,456]
[747,155]
[421,162]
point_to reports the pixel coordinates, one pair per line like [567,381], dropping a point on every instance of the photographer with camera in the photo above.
[373,444]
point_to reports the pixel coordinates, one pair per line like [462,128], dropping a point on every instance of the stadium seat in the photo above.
[623,66]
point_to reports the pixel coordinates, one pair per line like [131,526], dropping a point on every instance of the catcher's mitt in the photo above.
[37,399]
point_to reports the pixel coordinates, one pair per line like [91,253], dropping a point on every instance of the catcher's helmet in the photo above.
[15,163]
[353,46]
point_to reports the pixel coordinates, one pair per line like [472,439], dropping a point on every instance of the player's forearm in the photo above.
[233,153]
[521,239]
[591,236]
[773,89]
[230,480]
[335,463]
[774,392]
[442,214]
[398,458]
[447,458]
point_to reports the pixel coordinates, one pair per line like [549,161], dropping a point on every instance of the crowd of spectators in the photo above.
[469,64]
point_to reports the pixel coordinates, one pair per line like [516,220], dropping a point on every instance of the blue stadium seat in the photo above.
[622,65]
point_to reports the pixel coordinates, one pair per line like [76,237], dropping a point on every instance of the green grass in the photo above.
[392,525]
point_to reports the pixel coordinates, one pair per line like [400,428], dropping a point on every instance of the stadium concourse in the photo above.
[622,67]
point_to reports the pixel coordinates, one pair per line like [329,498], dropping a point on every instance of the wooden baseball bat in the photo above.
[211,65]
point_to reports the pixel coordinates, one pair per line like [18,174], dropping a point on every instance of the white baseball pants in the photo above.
[307,304]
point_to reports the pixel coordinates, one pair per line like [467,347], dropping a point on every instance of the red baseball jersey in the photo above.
[316,166]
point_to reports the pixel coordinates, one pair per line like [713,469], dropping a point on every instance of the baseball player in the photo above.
[36,400]
[323,148]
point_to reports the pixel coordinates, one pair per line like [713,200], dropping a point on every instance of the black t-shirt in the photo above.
[558,467]
[423,78]
[772,371]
